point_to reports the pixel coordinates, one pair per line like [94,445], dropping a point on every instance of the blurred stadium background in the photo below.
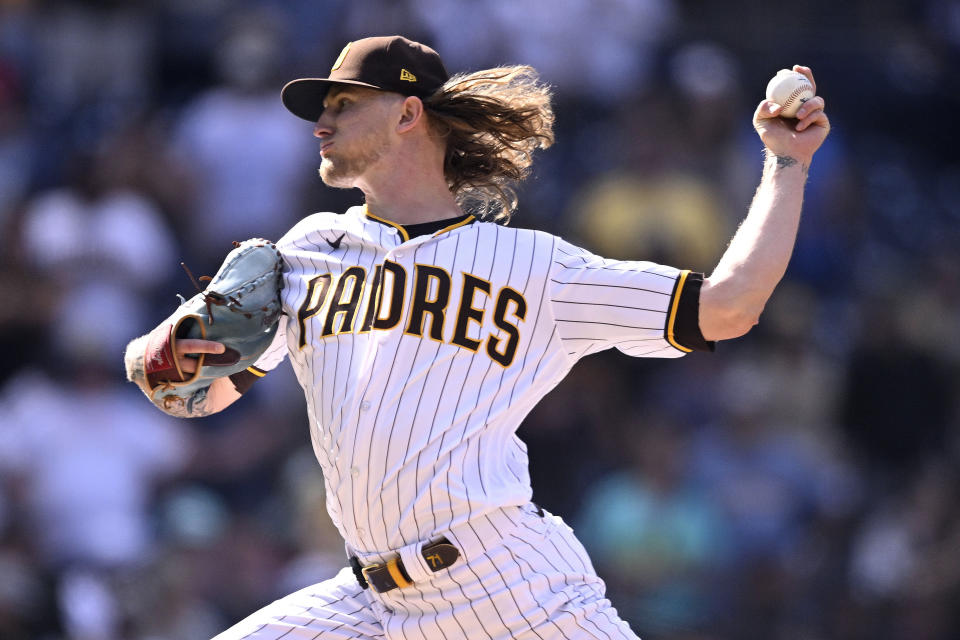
[801,483]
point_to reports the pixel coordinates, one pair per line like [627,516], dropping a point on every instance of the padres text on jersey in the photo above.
[421,356]
[428,297]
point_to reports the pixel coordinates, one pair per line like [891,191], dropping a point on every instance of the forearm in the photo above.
[217,397]
[735,294]
[203,402]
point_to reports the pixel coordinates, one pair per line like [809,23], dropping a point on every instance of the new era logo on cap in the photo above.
[341,57]
[388,63]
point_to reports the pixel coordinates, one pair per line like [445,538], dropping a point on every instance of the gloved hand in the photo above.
[240,308]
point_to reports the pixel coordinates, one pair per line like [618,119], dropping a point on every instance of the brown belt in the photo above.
[382,577]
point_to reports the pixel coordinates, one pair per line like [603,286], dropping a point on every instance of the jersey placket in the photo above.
[403,253]
[337,425]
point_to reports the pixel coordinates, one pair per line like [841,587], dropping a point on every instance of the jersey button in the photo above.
[361,533]
[364,405]
[354,471]
[399,254]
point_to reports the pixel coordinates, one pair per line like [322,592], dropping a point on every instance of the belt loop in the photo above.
[414,563]
[398,573]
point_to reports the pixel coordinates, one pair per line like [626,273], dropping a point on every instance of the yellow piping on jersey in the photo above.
[256,372]
[673,312]
[403,232]
[455,225]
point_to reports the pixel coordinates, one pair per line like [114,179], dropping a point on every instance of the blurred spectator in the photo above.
[90,72]
[99,243]
[906,556]
[98,51]
[650,202]
[27,598]
[668,218]
[317,541]
[84,458]
[95,228]
[655,538]
[248,157]
[563,46]
[25,321]
[765,479]
[17,143]
[583,401]
[378,17]
[897,401]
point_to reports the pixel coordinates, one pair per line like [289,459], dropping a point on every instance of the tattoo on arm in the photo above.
[783,162]
[196,406]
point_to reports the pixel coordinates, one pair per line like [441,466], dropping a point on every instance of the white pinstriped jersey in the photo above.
[420,358]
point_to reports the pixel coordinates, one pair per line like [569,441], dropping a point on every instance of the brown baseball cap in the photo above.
[388,63]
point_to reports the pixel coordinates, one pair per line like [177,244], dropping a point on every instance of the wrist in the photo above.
[775,162]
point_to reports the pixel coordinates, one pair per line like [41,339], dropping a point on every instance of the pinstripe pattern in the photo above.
[337,608]
[417,435]
[522,577]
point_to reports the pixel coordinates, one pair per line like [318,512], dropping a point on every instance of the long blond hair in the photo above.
[493,120]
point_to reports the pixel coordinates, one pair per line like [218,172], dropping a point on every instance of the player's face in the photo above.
[354,132]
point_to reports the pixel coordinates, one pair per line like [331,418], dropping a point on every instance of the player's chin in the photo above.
[334,176]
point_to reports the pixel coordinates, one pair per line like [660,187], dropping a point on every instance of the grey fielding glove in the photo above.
[240,308]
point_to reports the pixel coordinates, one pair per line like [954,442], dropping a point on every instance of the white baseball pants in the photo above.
[520,576]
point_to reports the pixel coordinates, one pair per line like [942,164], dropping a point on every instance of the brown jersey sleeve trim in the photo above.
[683,323]
[243,380]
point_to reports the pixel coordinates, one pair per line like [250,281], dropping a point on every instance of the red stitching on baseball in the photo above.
[796,92]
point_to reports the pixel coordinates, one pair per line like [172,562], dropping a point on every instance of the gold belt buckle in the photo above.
[366,574]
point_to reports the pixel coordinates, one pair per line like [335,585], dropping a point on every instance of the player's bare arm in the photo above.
[735,294]
[217,397]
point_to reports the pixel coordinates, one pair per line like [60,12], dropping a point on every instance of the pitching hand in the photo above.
[800,137]
[185,346]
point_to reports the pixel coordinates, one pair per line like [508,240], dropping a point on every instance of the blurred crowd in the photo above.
[802,482]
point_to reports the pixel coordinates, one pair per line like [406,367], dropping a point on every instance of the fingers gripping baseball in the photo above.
[798,136]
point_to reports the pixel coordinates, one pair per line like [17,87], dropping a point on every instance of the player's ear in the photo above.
[411,112]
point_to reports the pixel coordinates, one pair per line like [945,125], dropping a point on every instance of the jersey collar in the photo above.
[427,228]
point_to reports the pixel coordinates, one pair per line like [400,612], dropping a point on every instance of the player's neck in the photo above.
[412,208]
[409,187]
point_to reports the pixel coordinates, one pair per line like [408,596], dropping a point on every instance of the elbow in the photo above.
[724,317]
[728,324]
[737,323]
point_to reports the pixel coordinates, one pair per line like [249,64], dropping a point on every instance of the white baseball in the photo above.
[789,89]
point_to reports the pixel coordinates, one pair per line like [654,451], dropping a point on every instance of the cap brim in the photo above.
[304,97]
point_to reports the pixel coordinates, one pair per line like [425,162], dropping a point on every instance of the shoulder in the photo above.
[307,228]
[486,229]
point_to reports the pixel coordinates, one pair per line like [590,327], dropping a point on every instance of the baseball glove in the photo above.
[240,308]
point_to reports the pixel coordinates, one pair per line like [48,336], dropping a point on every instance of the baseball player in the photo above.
[422,334]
